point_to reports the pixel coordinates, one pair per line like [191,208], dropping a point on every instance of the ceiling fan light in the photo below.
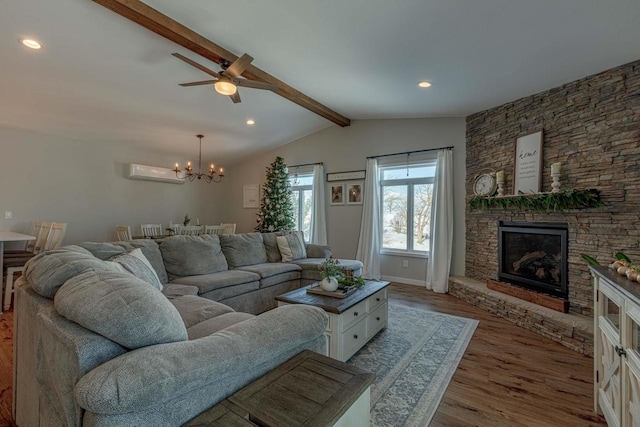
[225,87]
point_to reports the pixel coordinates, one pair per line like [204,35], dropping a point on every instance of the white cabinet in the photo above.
[616,348]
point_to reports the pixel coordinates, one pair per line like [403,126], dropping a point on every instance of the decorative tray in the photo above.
[341,292]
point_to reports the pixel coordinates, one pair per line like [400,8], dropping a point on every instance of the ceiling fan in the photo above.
[227,80]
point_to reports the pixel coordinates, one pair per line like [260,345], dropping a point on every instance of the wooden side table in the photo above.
[307,390]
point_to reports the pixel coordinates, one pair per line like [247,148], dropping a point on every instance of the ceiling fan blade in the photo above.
[204,82]
[239,65]
[196,65]
[235,98]
[255,84]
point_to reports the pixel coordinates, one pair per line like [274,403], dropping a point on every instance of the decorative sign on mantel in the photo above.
[528,164]
[345,176]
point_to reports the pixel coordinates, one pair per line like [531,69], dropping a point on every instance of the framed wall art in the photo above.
[354,193]
[528,164]
[337,194]
[345,176]
[251,196]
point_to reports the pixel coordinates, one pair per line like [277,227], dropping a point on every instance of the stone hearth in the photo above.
[571,330]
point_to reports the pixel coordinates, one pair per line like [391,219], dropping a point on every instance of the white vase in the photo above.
[329,284]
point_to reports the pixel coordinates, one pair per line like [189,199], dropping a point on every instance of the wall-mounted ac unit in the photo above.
[153,173]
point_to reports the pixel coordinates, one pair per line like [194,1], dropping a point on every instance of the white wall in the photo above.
[346,149]
[55,179]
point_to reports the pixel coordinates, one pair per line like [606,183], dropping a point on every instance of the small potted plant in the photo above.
[331,271]
[186,220]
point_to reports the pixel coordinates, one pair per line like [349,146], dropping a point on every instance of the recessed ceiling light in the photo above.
[424,84]
[31,43]
[251,122]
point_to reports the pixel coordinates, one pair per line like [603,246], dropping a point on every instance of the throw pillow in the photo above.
[192,255]
[292,246]
[136,263]
[120,307]
[243,249]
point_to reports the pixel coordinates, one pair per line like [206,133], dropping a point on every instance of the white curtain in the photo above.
[369,241]
[318,217]
[441,232]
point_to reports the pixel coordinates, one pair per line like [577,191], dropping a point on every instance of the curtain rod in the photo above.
[306,164]
[410,152]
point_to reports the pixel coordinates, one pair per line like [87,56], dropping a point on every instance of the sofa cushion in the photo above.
[120,307]
[194,310]
[192,255]
[292,246]
[280,278]
[270,269]
[243,249]
[271,246]
[221,279]
[173,290]
[216,324]
[48,270]
[318,251]
[149,248]
[136,263]
[222,294]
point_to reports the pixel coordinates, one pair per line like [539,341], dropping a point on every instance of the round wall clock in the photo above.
[485,185]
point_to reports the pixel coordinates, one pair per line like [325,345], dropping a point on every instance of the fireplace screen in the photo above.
[534,255]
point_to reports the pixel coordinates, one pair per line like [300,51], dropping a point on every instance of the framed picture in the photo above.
[354,193]
[337,194]
[528,164]
[345,176]
[251,196]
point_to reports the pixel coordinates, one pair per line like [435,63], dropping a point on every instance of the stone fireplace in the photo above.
[534,255]
[591,126]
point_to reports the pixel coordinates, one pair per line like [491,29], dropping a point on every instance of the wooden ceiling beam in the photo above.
[150,18]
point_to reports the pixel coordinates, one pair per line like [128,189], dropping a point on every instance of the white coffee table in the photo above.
[9,236]
[353,320]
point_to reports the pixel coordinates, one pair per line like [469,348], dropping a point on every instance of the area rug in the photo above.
[414,359]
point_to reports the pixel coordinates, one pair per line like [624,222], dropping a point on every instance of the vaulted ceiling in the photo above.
[104,79]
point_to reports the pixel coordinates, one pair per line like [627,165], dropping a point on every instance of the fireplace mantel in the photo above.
[541,202]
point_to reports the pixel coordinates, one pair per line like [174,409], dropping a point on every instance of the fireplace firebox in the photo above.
[534,255]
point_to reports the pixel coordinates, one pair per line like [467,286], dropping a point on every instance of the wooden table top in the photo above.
[308,390]
[331,304]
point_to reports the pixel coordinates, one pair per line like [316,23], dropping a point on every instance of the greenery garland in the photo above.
[542,202]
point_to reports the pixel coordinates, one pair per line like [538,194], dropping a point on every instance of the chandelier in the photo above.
[212,176]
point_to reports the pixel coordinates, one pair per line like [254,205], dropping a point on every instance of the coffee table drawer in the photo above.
[354,314]
[377,320]
[354,338]
[377,299]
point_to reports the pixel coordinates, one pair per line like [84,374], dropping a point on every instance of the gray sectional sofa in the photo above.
[101,343]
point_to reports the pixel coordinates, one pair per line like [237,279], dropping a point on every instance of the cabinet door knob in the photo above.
[377,299]
[355,336]
[355,313]
[378,318]
[620,351]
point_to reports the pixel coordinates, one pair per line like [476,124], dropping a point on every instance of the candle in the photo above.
[500,176]
[555,168]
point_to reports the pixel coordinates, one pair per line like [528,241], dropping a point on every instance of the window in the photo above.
[302,201]
[405,197]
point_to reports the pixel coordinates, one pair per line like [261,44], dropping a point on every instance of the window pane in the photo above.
[306,212]
[295,198]
[415,171]
[298,180]
[422,194]
[394,217]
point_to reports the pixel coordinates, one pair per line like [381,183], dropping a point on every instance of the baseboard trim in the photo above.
[404,281]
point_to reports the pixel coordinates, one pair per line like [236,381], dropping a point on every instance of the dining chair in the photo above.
[214,229]
[190,230]
[123,232]
[151,230]
[54,233]
[230,228]
[40,230]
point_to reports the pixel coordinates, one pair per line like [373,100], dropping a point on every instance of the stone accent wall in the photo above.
[592,126]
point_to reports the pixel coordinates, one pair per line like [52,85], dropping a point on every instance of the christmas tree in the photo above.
[276,210]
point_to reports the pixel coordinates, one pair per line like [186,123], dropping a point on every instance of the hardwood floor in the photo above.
[508,376]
